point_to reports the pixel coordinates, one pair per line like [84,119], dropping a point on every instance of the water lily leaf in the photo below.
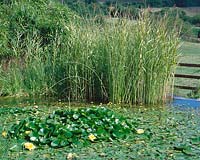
[86,126]
[110,114]
[98,122]
[195,140]
[75,140]
[64,143]
[32,125]
[55,143]
[71,127]
[50,121]
[186,149]
[33,139]
[43,140]
[89,130]
[68,134]
[101,131]
[75,116]
[118,134]
[42,131]
[13,148]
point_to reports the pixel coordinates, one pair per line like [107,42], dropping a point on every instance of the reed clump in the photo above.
[120,61]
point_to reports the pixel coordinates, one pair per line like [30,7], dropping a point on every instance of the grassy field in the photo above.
[168,134]
[189,53]
[191,11]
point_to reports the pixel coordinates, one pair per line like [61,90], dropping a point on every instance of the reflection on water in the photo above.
[41,101]
[179,103]
[26,101]
[186,104]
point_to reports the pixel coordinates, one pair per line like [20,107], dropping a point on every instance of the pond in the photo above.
[169,132]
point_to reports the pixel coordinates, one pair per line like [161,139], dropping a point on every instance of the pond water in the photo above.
[186,103]
[10,101]
[172,130]
[28,101]
[178,102]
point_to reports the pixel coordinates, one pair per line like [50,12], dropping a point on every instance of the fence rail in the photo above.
[189,65]
[187,76]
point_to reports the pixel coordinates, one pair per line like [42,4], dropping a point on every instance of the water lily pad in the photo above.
[195,140]
[70,127]
[55,143]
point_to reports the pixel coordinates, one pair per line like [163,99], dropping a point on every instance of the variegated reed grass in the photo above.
[121,62]
[135,61]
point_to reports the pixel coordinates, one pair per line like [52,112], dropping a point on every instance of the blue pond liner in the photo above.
[186,102]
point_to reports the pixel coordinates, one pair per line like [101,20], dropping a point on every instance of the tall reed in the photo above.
[132,62]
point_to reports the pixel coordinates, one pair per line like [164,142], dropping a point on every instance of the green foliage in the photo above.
[195,20]
[140,3]
[72,127]
[194,94]
[195,31]
[23,20]
[32,37]
[93,9]
[187,3]
[87,60]
[176,17]
[85,9]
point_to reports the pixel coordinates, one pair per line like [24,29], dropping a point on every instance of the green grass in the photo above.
[189,53]
[168,134]
[188,48]
[191,11]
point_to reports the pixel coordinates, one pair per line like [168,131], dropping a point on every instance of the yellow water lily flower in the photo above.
[140,131]
[4,134]
[29,146]
[92,137]
[27,132]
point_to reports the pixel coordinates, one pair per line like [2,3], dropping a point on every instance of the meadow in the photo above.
[189,53]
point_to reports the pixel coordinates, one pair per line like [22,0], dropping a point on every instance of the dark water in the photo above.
[27,101]
[178,102]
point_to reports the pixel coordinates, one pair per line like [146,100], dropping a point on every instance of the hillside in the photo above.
[191,11]
[157,3]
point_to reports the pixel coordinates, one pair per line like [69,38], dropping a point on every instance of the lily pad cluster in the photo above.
[73,127]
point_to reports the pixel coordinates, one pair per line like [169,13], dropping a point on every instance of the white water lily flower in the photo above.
[140,131]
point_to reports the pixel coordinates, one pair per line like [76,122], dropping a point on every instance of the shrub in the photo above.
[176,17]
[24,19]
[195,20]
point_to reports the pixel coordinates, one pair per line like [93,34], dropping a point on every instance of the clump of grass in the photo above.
[134,60]
[119,61]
